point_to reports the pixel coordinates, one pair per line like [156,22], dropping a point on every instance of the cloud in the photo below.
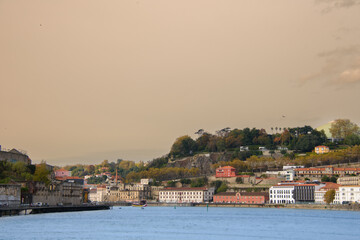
[342,67]
[337,4]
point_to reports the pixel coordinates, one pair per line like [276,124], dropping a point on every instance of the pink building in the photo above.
[62,173]
[242,197]
[226,171]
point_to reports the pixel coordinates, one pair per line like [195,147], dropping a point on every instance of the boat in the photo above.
[142,203]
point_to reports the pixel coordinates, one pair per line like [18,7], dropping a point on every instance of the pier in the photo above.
[25,210]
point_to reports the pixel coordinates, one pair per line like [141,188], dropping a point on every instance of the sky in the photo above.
[87,80]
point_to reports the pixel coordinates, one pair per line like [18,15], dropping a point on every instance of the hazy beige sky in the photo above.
[83,81]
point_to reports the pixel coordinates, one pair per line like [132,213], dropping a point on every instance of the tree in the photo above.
[223,187]
[183,146]
[42,174]
[352,139]
[329,196]
[325,178]
[342,128]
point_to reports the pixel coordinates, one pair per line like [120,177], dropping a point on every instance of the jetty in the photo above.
[25,210]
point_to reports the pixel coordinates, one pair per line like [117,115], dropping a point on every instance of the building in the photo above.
[56,193]
[293,192]
[322,149]
[320,193]
[241,197]
[351,180]
[225,172]
[282,194]
[62,173]
[14,156]
[186,195]
[10,194]
[328,171]
[97,194]
[146,181]
[349,194]
[122,192]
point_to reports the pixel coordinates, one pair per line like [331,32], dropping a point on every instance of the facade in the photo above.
[293,192]
[14,156]
[10,194]
[97,194]
[62,173]
[352,180]
[57,193]
[282,194]
[186,195]
[328,171]
[322,149]
[155,191]
[127,192]
[146,181]
[224,172]
[349,194]
[320,193]
[242,197]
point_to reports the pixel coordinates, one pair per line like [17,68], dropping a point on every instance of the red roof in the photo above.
[185,189]
[227,167]
[330,185]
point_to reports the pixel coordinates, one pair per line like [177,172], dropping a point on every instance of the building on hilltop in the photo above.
[225,172]
[322,149]
[328,171]
[349,180]
[62,173]
[14,156]
[242,197]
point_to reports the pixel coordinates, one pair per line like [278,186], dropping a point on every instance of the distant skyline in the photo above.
[83,81]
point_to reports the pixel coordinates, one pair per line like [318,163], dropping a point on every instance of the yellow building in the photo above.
[322,149]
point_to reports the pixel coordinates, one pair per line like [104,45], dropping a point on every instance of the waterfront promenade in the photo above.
[25,210]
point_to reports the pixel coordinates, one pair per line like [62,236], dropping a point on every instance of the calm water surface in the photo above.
[185,223]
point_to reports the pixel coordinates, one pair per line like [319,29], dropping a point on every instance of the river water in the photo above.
[185,223]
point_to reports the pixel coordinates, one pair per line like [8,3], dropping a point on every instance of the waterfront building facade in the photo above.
[282,194]
[241,197]
[320,193]
[10,194]
[186,195]
[349,194]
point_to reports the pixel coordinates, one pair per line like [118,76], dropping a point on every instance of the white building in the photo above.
[349,194]
[186,195]
[97,194]
[282,194]
[320,193]
[146,181]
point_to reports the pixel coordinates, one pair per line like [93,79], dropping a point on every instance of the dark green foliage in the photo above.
[325,178]
[185,181]
[97,180]
[199,182]
[171,183]
[239,180]
[158,163]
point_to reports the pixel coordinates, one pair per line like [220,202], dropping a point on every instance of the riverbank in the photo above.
[21,210]
[351,207]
